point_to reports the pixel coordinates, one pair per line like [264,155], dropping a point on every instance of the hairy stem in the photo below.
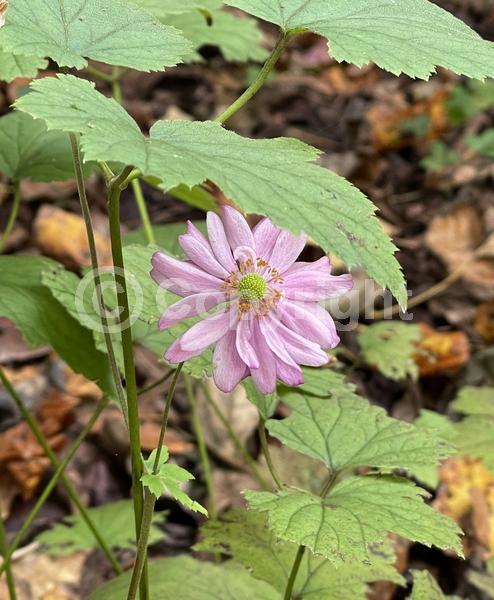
[201,443]
[72,492]
[16,202]
[114,192]
[251,463]
[86,213]
[149,498]
[259,81]
[53,482]
[3,551]
[267,453]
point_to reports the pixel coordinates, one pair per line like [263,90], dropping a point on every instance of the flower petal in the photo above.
[313,281]
[243,254]
[303,351]
[289,374]
[265,376]
[309,320]
[198,249]
[182,278]
[176,355]
[286,250]
[190,306]
[228,368]
[219,243]
[243,343]
[237,229]
[208,331]
[269,326]
[265,236]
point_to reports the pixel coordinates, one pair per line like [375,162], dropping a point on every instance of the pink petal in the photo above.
[228,368]
[243,343]
[208,331]
[219,243]
[265,376]
[309,320]
[197,248]
[237,229]
[244,253]
[190,306]
[291,375]
[269,326]
[181,277]
[286,250]
[300,349]
[314,282]
[176,355]
[265,236]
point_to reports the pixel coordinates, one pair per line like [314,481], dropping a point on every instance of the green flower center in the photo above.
[252,287]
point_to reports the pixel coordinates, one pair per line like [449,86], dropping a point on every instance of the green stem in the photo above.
[53,482]
[72,492]
[86,213]
[143,211]
[259,81]
[16,202]
[149,498]
[3,550]
[251,463]
[203,451]
[267,453]
[155,384]
[114,192]
[94,72]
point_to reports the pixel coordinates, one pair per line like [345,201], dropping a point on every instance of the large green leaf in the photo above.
[188,579]
[425,587]
[16,65]
[28,150]
[390,345]
[114,521]
[345,432]
[265,403]
[70,31]
[44,321]
[398,35]
[268,177]
[163,9]
[357,512]
[245,537]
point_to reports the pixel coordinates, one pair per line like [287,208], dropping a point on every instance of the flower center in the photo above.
[252,287]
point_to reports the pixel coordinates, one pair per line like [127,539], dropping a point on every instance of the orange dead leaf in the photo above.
[484,321]
[440,352]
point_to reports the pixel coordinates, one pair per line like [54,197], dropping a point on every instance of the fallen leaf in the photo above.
[462,235]
[78,386]
[13,347]
[440,353]
[150,433]
[62,235]
[484,321]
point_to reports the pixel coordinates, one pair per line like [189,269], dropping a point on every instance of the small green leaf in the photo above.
[483,143]
[394,34]
[265,403]
[245,537]
[344,431]
[389,346]
[70,31]
[114,521]
[28,150]
[44,321]
[439,157]
[425,587]
[468,99]
[333,213]
[169,478]
[359,511]
[15,65]
[189,579]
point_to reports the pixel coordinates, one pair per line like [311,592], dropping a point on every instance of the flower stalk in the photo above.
[16,202]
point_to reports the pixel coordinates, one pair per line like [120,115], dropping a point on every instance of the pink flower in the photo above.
[270,320]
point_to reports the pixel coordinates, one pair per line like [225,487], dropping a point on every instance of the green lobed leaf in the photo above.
[389,346]
[245,537]
[71,31]
[333,212]
[265,403]
[344,431]
[161,10]
[468,99]
[169,478]
[425,587]
[16,65]
[115,522]
[189,579]
[44,321]
[440,156]
[28,150]
[357,512]
[394,34]
[483,143]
